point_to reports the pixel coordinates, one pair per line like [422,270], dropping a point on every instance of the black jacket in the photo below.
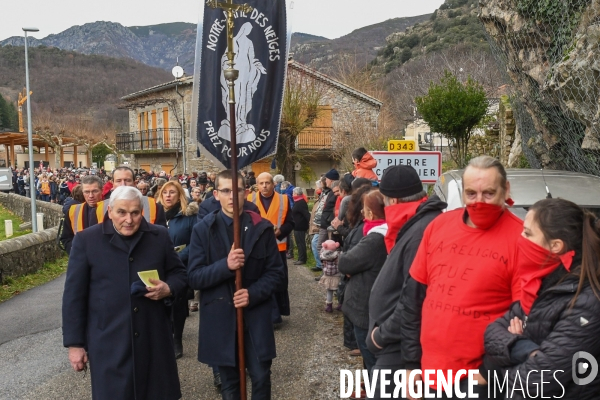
[328,213]
[363,263]
[262,275]
[128,338]
[556,331]
[301,215]
[387,298]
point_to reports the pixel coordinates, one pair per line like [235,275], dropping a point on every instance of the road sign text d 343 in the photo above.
[428,164]
[402,145]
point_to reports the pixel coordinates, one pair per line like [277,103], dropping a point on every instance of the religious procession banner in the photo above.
[261,37]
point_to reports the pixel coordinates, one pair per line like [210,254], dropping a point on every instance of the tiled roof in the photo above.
[188,80]
[330,81]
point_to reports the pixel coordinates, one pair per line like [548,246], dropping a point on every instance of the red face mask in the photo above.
[484,215]
[535,263]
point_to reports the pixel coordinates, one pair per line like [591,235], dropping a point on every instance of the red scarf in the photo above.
[535,263]
[396,216]
[370,224]
[297,198]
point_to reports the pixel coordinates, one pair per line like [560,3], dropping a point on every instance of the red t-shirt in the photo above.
[471,281]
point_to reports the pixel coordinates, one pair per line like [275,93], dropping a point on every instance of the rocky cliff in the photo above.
[551,53]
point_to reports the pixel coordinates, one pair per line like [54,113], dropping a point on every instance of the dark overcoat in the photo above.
[128,338]
[262,275]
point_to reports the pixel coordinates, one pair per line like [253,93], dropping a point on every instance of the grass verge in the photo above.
[14,286]
[16,221]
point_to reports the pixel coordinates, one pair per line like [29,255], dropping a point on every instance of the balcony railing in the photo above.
[150,140]
[315,139]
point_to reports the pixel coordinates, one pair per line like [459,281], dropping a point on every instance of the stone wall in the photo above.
[26,254]
[21,206]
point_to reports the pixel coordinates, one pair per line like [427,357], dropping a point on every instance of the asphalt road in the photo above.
[34,364]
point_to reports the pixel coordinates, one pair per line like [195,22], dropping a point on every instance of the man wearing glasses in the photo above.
[211,269]
[80,216]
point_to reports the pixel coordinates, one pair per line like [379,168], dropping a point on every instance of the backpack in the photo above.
[45,189]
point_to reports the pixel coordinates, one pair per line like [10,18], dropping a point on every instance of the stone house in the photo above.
[158,114]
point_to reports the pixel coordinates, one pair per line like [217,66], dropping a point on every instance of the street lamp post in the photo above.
[32,189]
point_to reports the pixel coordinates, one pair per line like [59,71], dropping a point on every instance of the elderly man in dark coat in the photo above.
[211,269]
[110,316]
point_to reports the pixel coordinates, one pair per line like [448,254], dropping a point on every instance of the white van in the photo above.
[6,180]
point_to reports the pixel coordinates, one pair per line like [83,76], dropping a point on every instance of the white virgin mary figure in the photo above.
[250,70]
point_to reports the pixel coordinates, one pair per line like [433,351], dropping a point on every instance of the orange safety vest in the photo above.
[76,213]
[277,212]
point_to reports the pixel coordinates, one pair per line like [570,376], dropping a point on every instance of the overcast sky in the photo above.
[329,18]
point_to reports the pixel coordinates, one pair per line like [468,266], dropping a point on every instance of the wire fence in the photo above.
[550,51]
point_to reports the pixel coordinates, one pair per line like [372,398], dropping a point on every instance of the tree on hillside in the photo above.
[8,115]
[300,109]
[454,109]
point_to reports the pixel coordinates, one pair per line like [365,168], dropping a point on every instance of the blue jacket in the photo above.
[180,230]
[262,275]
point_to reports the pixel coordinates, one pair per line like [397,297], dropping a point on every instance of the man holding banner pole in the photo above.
[238,112]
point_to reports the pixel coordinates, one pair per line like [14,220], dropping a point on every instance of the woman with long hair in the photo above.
[557,315]
[361,264]
[181,218]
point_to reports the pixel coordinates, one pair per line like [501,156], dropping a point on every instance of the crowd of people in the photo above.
[420,288]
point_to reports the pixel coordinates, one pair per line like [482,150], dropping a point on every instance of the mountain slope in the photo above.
[161,45]
[363,43]
[70,83]
[454,23]
[154,45]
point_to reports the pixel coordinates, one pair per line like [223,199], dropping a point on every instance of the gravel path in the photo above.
[309,348]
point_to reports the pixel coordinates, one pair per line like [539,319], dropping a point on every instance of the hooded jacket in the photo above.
[364,168]
[556,331]
[385,308]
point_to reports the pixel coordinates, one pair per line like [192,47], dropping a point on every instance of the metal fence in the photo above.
[151,139]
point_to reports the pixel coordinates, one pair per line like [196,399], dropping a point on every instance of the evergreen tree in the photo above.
[9,119]
[453,109]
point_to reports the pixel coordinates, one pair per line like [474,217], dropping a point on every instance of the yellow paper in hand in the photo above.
[145,276]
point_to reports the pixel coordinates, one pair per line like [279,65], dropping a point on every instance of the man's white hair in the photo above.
[298,191]
[126,193]
[278,179]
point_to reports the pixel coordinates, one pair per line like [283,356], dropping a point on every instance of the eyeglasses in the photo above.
[227,192]
[90,192]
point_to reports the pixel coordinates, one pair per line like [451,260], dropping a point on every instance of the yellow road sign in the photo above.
[402,145]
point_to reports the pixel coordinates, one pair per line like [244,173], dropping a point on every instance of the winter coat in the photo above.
[128,338]
[329,259]
[180,230]
[385,307]
[363,263]
[556,331]
[53,189]
[262,275]
[300,215]
[328,210]
[364,168]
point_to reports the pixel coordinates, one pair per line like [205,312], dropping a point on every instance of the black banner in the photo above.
[260,46]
